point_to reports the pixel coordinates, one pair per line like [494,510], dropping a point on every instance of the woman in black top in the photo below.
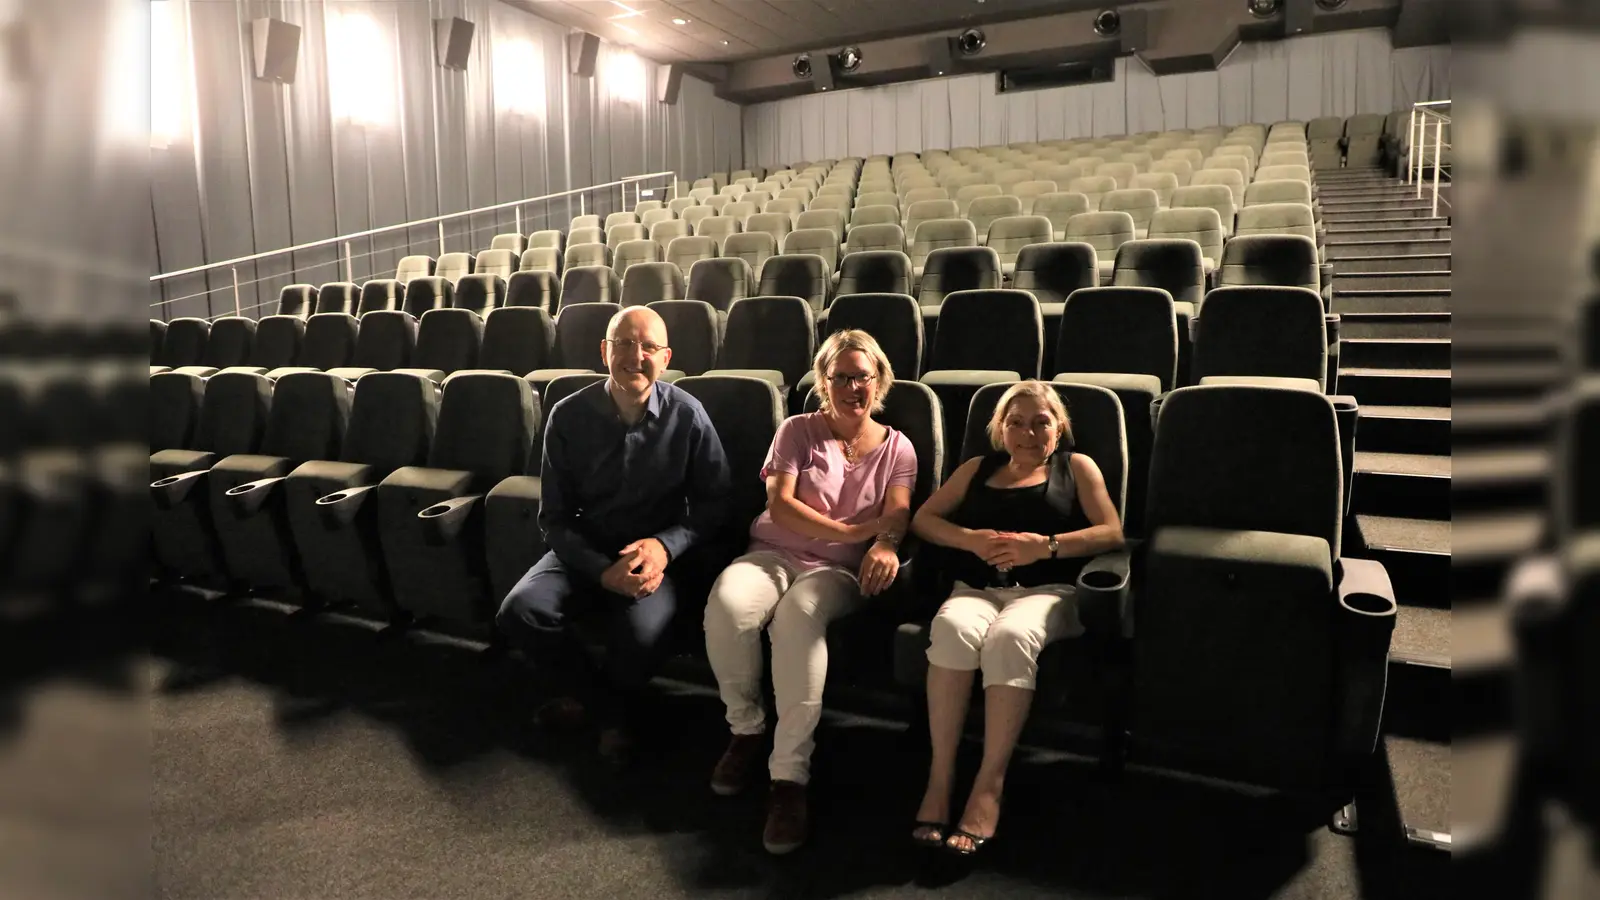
[1018,524]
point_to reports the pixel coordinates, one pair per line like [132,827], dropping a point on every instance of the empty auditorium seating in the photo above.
[1202,225]
[453,266]
[875,272]
[1261,335]
[649,282]
[804,275]
[518,340]
[821,242]
[590,284]
[983,211]
[694,333]
[984,337]
[771,337]
[540,288]
[479,293]
[631,253]
[893,319]
[1270,259]
[1105,232]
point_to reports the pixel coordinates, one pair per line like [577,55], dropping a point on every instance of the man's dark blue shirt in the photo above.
[607,484]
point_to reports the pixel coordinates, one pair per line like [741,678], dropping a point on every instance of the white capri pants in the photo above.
[1002,630]
[765,590]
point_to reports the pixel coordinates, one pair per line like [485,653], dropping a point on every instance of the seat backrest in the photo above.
[381,293]
[448,340]
[540,259]
[590,284]
[881,236]
[922,194]
[518,339]
[719,281]
[680,204]
[684,252]
[234,413]
[1286,260]
[330,341]
[479,293]
[804,275]
[175,403]
[788,207]
[777,224]
[339,297]
[616,234]
[582,222]
[1199,224]
[631,253]
[1181,169]
[984,210]
[1105,231]
[1277,192]
[1052,271]
[512,242]
[585,235]
[538,288]
[414,267]
[1277,218]
[230,342]
[1123,172]
[1294,172]
[310,411]
[1261,331]
[650,217]
[938,234]
[989,329]
[1139,203]
[1029,190]
[876,198]
[738,212]
[549,237]
[1007,236]
[1128,330]
[893,319]
[1163,183]
[968,193]
[1325,128]
[586,255]
[754,247]
[432,292]
[950,269]
[496,262]
[1232,179]
[453,267]
[769,332]
[648,206]
[875,272]
[1218,197]
[821,242]
[487,421]
[830,219]
[385,340]
[692,332]
[1099,430]
[620,218]
[746,413]
[663,233]
[1173,265]
[1093,187]
[300,299]
[1059,207]
[580,329]
[278,340]
[694,215]
[648,282]
[1283,158]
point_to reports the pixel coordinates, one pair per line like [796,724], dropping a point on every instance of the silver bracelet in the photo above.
[890,538]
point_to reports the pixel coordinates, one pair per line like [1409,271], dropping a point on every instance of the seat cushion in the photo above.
[166,463]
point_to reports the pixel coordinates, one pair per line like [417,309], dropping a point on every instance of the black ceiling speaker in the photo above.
[850,59]
[1265,9]
[1108,23]
[1332,4]
[802,66]
[971,42]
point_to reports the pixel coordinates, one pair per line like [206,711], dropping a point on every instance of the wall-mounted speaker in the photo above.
[941,56]
[822,71]
[452,41]
[1298,16]
[1135,30]
[277,49]
[583,49]
[668,80]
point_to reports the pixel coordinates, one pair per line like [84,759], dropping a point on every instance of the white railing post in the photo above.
[441,238]
[237,309]
[518,211]
[1411,140]
[1438,156]
[349,264]
[1419,149]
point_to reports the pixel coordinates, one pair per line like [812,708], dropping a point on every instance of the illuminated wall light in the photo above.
[625,78]
[124,101]
[361,70]
[519,79]
[168,51]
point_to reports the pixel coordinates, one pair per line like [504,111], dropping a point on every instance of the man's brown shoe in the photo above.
[733,769]
[787,817]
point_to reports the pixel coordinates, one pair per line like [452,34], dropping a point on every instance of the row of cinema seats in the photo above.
[407,498]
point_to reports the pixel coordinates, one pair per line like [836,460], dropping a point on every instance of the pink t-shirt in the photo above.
[850,493]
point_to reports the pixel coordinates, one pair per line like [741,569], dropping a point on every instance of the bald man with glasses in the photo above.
[633,477]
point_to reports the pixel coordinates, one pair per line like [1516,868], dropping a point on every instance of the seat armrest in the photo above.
[174,490]
[1538,595]
[339,509]
[911,654]
[442,523]
[248,498]
[1104,599]
[1366,618]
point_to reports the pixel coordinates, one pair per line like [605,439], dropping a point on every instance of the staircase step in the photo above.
[1396,387]
[1410,485]
[1395,325]
[1342,214]
[1420,771]
[1383,281]
[1501,479]
[1360,244]
[1403,429]
[1396,263]
[1488,422]
[1486,545]
[1382,353]
[1421,637]
[1345,204]
[1416,553]
[1519,378]
[1338,191]
[1391,300]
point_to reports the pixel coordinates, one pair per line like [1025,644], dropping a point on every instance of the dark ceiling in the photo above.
[726,30]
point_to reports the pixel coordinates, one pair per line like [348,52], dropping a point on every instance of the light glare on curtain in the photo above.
[361,79]
[168,50]
[519,79]
[625,78]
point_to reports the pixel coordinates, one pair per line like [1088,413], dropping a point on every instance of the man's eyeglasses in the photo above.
[625,345]
[856,381]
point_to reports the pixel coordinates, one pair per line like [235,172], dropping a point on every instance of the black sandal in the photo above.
[977,842]
[932,841]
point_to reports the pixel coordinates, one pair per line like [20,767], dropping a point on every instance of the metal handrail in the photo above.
[1417,135]
[440,221]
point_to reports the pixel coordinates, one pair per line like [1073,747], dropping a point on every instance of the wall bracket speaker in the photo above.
[452,41]
[1298,16]
[1135,31]
[583,49]
[941,56]
[277,49]
[822,71]
[668,80]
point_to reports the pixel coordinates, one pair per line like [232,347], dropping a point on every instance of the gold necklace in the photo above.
[849,447]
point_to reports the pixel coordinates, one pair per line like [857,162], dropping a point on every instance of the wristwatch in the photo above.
[890,538]
[1054,546]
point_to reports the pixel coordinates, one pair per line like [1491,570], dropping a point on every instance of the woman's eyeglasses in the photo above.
[852,381]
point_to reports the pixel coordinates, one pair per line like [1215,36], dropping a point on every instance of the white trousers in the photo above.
[1002,630]
[764,590]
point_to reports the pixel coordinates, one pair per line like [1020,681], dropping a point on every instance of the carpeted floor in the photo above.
[307,758]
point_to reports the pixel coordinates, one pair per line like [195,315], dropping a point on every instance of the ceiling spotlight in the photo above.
[1263,9]
[1331,5]
[971,42]
[802,66]
[1108,23]
[680,21]
[850,59]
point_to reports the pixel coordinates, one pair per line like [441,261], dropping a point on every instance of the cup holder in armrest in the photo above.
[1365,604]
[1104,580]
[443,522]
[339,509]
[248,498]
[174,490]
[1103,594]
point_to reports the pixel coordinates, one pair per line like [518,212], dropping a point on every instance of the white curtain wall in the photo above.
[1337,74]
[373,132]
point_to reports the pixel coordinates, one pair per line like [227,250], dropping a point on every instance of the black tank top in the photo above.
[1048,508]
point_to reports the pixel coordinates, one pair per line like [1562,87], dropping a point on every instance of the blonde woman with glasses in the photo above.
[1016,526]
[838,501]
